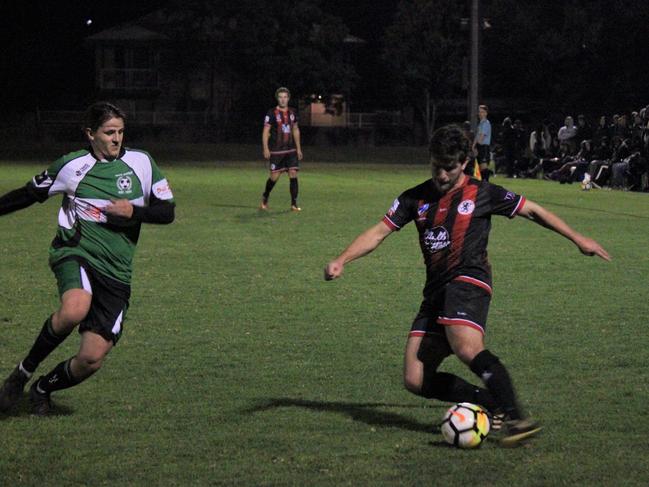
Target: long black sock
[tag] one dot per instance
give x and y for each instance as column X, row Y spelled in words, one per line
column 293, row 187
column 60, row 377
column 45, row 343
column 495, row 376
column 270, row 184
column 451, row 388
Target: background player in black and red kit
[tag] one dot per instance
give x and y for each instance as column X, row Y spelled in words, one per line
column 452, row 213
column 281, row 143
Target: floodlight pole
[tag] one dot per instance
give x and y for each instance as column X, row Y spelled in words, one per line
column 474, row 64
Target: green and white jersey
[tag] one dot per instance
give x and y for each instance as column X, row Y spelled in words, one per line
column 88, row 185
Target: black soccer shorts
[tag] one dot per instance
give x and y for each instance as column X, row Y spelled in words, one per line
column 463, row 302
column 284, row 162
column 110, row 298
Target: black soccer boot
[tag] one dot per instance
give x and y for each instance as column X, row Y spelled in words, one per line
column 12, row 389
column 517, row 431
column 40, row 402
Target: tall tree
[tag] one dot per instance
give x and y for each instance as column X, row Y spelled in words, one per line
column 264, row 44
column 424, row 51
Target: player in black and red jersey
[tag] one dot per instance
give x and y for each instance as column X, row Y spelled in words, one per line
column 281, row 143
column 452, row 213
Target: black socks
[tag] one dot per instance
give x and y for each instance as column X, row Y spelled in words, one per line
column 451, row 388
column 495, row 376
column 294, row 189
column 45, row 343
column 59, row 378
column 270, row 184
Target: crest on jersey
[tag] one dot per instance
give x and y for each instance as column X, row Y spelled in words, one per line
column 436, row 239
column 124, row 184
column 466, row 207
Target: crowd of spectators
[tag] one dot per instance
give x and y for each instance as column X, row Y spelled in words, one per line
column 612, row 153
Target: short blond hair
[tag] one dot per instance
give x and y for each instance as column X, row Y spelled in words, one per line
column 282, row 89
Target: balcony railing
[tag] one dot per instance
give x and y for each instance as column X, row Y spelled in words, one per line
column 128, row 79
column 167, row 118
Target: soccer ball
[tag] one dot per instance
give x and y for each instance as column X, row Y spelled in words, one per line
column 465, row 425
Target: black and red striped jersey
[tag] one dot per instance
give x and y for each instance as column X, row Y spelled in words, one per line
column 454, row 227
column 281, row 123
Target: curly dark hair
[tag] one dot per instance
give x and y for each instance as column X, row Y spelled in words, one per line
column 449, row 145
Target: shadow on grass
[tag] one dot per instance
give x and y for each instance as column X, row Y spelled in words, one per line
column 247, row 217
column 226, row 205
column 367, row 413
column 23, row 410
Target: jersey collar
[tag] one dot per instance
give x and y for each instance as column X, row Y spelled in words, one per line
column 122, row 151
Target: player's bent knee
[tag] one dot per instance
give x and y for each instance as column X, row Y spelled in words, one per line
column 412, row 381
column 90, row 362
column 467, row 352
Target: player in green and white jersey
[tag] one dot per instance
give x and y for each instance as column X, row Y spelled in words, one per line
column 108, row 192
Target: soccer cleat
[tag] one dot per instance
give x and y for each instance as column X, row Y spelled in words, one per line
column 263, row 205
column 496, row 420
column 519, row 430
column 12, row 389
column 40, row 401
column 295, row 208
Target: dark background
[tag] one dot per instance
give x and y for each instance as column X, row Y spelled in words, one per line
column 560, row 57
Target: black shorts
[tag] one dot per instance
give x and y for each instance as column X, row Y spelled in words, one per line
column 110, row 298
column 483, row 155
column 464, row 301
column 284, row 162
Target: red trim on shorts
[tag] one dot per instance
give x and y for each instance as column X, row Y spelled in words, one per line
column 460, row 322
column 475, row 282
column 417, row 333
column 389, row 223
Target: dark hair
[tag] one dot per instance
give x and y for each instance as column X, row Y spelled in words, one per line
column 99, row 113
column 449, row 145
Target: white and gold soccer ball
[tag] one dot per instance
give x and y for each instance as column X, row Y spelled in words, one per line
column 465, row 425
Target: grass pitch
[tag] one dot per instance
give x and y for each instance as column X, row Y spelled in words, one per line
column 239, row 365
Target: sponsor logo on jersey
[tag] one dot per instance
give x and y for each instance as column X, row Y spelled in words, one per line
column 436, row 239
column 394, row 207
column 162, row 190
column 82, row 169
column 510, row 196
column 266, row 119
column 286, row 128
column 292, row 117
column 466, row 207
column 124, row 184
column 422, row 210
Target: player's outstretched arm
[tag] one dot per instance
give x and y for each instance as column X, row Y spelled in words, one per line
column 17, row 200
column 546, row 218
column 365, row 243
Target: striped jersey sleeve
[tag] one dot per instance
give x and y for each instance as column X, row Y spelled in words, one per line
column 401, row 212
column 504, row 202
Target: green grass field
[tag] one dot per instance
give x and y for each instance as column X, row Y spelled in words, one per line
column 239, row 365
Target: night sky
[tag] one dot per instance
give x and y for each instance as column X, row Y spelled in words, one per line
column 46, row 65
column 44, row 42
